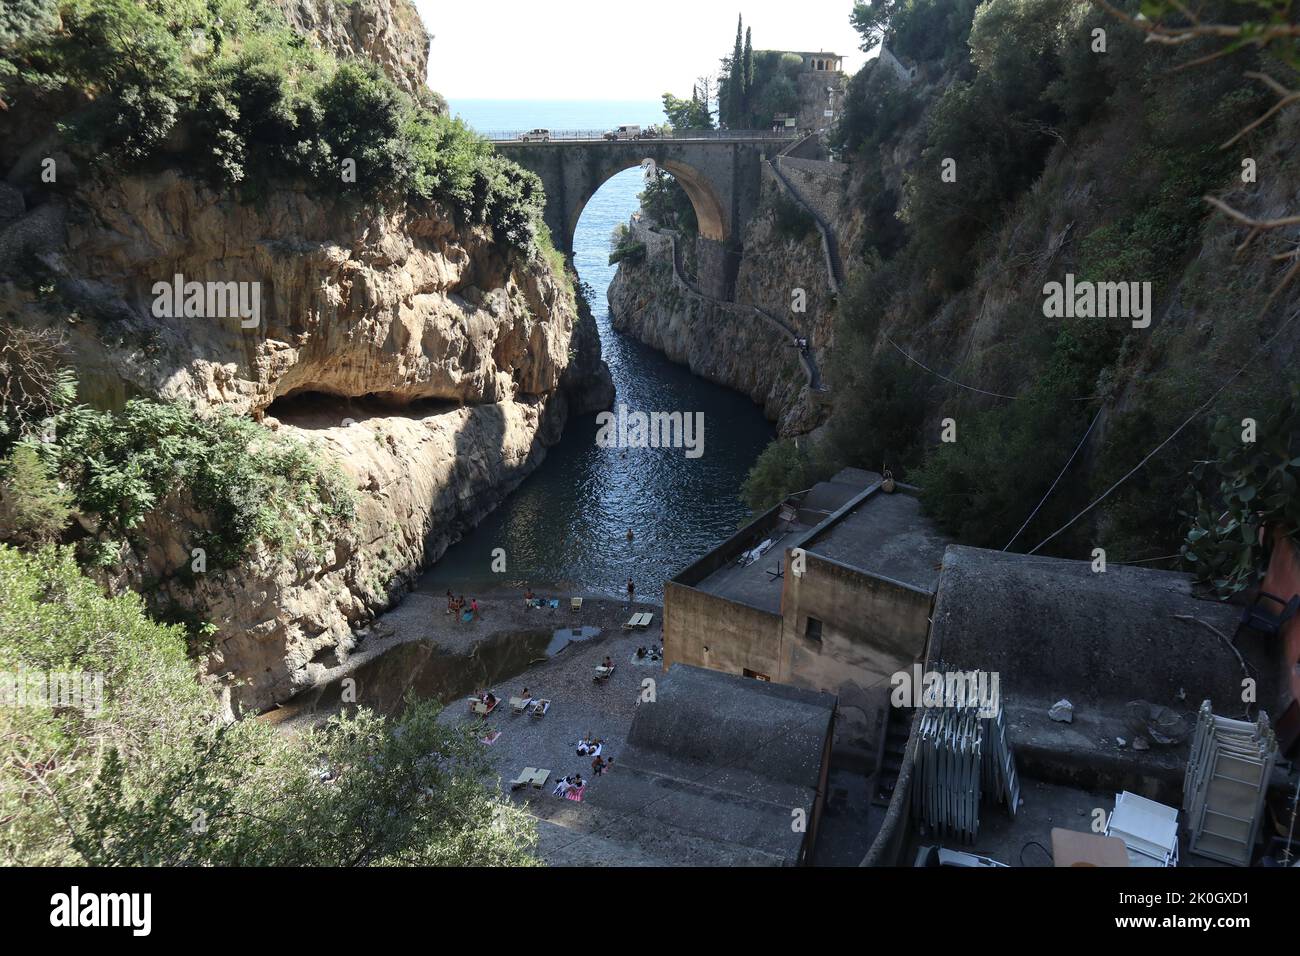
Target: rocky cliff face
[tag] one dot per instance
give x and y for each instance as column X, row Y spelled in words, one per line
column 727, row 342
column 386, row 31
column 428, row 362
column 432, row 364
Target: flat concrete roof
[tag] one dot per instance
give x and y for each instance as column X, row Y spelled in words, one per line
column 757, row 584
column 713, row 768
column 1107, row 641
column 885, row 535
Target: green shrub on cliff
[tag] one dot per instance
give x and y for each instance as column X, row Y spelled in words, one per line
column 132, row 765
column 232, row 92
column 245, row 483
column 781, row 469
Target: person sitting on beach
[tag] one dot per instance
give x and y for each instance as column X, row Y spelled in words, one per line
column 640, row 653
column 578, row 782
column 609, row 664
column 528, row 596
column 451, row 602
column 595, row 749
column 563, row 787
column 490, row 699
column 473, row 609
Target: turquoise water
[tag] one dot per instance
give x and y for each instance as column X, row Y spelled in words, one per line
column 565, row 528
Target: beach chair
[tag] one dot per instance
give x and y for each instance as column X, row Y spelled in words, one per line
column 575, row 604
column 518, row 704
column 539, row 778
column 632, row 622
column 644, row 621
column 603, row 674
column 524, row 779
column 477, row 706
column 540, row 707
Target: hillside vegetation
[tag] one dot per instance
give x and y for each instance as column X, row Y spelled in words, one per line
column 1072, row 147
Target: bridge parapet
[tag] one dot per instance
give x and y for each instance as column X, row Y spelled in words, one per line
column 516, row 136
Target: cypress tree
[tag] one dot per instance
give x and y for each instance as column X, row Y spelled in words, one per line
column 749, row 70
column 736, row 78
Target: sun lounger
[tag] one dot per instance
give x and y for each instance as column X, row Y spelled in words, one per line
column 645, row 620
column 477, row 706
column 524, row 779
column 540, row 707
column 632, row 622
column 603, row 674
column 539, row 778
column 575, row 604
column 518, row 704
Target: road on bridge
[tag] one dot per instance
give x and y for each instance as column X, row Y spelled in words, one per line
column 516, row 137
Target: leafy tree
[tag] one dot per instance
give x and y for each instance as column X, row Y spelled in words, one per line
column 1258, row 488
column 34, row 510
column 782, row 469
column 693, row 113
column 150, row 774
column 665, row 202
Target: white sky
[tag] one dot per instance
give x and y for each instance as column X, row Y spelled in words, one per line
column 612, row 49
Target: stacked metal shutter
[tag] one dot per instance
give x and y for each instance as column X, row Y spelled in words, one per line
column 1228, row 770
column 961, row 756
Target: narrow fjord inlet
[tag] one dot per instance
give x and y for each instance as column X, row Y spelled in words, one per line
column 574, row 434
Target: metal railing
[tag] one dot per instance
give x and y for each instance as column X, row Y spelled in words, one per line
column 598, row 135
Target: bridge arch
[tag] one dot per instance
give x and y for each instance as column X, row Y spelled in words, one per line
column 721, row 176
column 710, row 211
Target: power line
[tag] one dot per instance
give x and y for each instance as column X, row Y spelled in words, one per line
column 1151, row 454
column 950, row 381
column 1054, row 483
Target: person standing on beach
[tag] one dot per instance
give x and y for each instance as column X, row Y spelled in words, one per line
column 631, row 591
column 473, row 608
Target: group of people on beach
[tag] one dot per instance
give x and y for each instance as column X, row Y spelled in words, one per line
column 456, row 605
column 573, row 782
column 593, row 747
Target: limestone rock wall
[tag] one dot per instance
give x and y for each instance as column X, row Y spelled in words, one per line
column 452, row 355
column 388, row 32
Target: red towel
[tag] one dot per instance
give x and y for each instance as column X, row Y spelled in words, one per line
column 575, row 794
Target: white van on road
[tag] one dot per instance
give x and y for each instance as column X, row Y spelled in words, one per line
column 536, row 136
column 624, row 132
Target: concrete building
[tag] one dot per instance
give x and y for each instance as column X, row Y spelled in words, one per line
column 838, row 600
column 716, row 771
column 1110, row 643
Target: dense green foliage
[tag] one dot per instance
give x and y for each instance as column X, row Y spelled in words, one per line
column 143, row 772
column 790, row 219
column 665, row 202
column 249, row 484
column 226, row 87
column 692, row 113
column 782, row 469
column 1064, row 159
column 1257, row 487
column 245, row 484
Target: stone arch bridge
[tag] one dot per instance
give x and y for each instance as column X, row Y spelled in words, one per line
column 721, row 172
